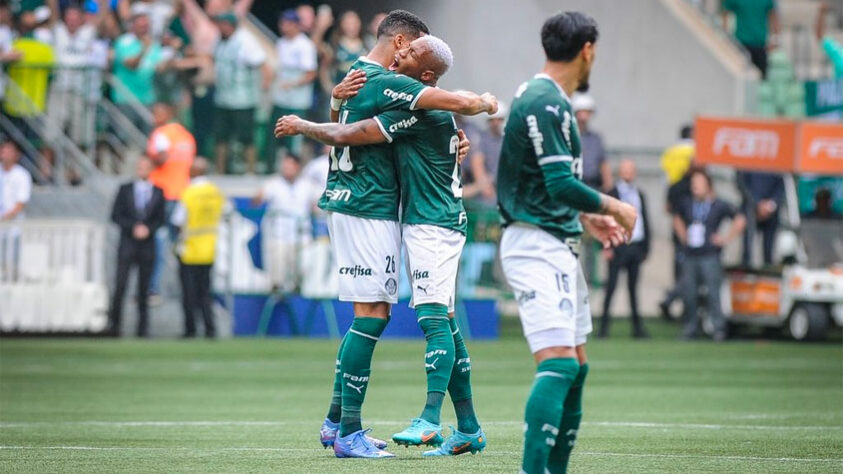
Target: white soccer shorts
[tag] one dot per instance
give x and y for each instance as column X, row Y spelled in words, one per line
column 549, row 286
column 366, row 252
column 433, row 259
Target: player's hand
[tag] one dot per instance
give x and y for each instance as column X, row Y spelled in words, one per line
column 350, row 85
column 491, row 103
column 624, row 214
column 604, row 228
column 287, row 126
column 717, row 240
column 465, row 145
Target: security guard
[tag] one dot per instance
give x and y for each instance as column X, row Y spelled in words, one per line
column 197, row 216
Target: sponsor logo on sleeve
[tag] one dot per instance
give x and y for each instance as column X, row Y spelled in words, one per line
column 398, row 95
column 566, row 128
column 406, row 123
column 535, row 135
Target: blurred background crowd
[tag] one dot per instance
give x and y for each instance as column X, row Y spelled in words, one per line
column 143, row 87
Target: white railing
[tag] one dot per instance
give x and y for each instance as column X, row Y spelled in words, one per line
column 52, row 276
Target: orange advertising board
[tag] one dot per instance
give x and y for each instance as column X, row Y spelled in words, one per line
column 820, row 148
column 749, row 144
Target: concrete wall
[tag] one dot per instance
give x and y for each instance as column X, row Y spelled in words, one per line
column 651, row 75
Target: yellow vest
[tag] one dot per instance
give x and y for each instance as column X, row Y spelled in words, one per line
column 203, row 203
column 676, row 160
column 31, row 74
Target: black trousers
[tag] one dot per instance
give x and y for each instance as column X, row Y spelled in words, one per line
column 758, row 56
column 629, row 258
column 196, row 297
column 129, row 254
column 768, row 230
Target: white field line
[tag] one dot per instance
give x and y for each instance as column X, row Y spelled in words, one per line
column 614, row 424
column 494, row 453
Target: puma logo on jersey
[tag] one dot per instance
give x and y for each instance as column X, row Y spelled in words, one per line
column 535, row 135
column 552, row 109
column 422, row 288
column 398, row 95
column 338, row 194
column 406, row 123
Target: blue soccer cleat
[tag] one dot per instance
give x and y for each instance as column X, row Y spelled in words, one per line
column 358, row 445
column 460, row 443
column 420, row 432
column 329, row 430
column 328, row 433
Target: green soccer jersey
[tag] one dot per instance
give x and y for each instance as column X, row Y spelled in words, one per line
column 541, row 136
column 426, row 145
column 362, row 180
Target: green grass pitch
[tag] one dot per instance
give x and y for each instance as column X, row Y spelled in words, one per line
column 249, row 405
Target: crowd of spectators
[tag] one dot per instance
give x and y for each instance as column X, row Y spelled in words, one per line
column 202, row 57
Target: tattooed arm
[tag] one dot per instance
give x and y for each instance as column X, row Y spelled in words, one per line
column 364, row 132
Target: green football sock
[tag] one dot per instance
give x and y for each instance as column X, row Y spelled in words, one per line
column 356, row 365
column 544, row 411
column 460, row 385
column 557, row 462
column 438, row 358
column 335, row 410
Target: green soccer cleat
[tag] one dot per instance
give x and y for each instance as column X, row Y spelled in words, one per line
column 420, row 432
column 460, row 443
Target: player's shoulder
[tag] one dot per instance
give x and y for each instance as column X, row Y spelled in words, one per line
column 371, row 68
column 540, row 93
column 437, row 118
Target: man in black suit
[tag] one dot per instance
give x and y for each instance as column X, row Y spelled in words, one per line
column 138, row 211
column 763, row 195
column 629, row 256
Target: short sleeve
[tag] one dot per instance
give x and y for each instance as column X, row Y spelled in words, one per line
column 179, row 215
column 23, row 186
column 400, row 92
column 122, row 48
column 158, row 143
column 251, row 52
column 397, row 123
column 308, row 58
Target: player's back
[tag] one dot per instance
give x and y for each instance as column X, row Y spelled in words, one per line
column 540, row 122
column 362, row 180
column 426, row 147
